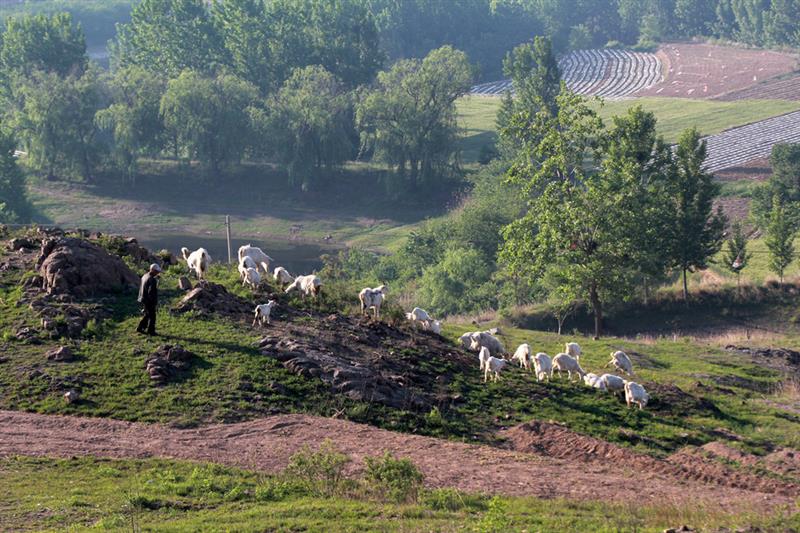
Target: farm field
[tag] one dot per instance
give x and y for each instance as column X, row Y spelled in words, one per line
column 708, row 71
column 781, row 88
column 609, row 74
column 674, row 115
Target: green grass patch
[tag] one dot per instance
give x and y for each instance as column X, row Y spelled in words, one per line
column 477, row 115
column 160, row 495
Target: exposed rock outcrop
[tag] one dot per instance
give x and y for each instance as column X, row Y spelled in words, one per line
column 79, row 268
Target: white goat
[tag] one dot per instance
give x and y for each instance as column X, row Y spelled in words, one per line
column 486, row 339
column 543, row 366
column 263, row 311
column 612, row 383
column 198, row 261
column 309, row 285
column 484, row 356
column 493, row 367
column 573, row 349
column 244, row 264
column 372, row 299
column 282, row 276
column 523, row 356
column 256, row 254
column 251, row 277
column 593, row 380
column 565, row 363
column 420, row 316
column 621, row 362
column 635, row 393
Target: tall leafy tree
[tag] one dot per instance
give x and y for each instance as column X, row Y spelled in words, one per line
column 584, row 227
column 43, row 43
column 247, row 34
column 311, row 123
column 14, row 205
column 780, row 239
column 56, row 122
column 168, row 36
column 783, row 184
column 736, row 254
column 210, row 117
column 697, row 229
column 133, row 118
column 409, row 117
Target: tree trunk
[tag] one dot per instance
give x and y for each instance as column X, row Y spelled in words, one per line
column 560, row 323
column 685, row 287
column 597, row 310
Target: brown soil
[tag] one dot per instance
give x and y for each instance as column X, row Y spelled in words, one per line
column 780, row 88
column 756, row 170
column 544, row 460
column 709, row 71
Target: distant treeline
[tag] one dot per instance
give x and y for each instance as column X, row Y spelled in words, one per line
column 487, row 29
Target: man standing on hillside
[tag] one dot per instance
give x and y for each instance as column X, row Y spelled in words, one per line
column 148, row 297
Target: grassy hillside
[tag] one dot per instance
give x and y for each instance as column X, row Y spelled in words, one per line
column 86, row 493
column 674, row 115
column 232, row 381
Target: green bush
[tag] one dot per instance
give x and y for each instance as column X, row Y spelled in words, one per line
column 321, row 471
column 496, row 518
column 396, row 480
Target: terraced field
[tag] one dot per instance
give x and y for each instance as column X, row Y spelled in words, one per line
column 780, row 88
column 611, row 74
column 740, row 145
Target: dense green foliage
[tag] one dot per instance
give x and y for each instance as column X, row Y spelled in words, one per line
column 14, row 205
column 409, row 118
column 736, row 256
column 780, row 238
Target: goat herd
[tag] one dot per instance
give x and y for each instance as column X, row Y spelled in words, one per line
column 488, row 347
column 252, row 261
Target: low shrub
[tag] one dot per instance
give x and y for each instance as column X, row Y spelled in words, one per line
column 320, row 471
column 396, row 480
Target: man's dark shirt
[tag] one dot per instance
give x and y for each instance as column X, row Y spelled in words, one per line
column 148, row 290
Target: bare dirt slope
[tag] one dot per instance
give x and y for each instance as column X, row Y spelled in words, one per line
column 709, row 71
column 597, row 471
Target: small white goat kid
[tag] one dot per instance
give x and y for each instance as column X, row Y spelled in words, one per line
column 263, row 311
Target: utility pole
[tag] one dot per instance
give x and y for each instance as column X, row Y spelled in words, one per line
column 228, row 235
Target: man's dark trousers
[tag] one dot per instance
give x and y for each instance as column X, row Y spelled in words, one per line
column 148, row 321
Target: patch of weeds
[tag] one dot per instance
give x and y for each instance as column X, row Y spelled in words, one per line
column 496, row 517
column 321, row 471
column 448, row 499
column 392, row 479
column 278, row 489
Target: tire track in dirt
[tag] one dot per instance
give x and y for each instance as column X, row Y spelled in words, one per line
column 266, row 445
column 689, row 464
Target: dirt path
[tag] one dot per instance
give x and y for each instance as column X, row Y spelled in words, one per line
column 266, row 445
